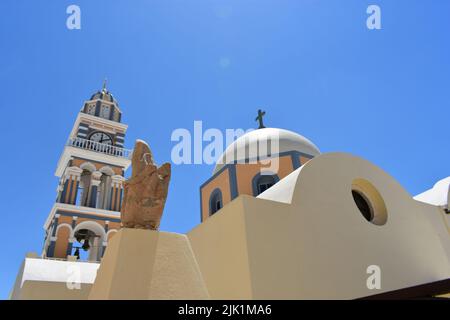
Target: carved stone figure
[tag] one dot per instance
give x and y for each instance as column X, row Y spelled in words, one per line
column 145, row 193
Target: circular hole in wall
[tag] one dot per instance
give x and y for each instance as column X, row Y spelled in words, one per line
column 369, row 202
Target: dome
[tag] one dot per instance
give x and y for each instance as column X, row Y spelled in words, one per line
column 288, row 141
column 103, row 95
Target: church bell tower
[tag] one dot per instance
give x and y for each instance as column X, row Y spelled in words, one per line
column 91, row 173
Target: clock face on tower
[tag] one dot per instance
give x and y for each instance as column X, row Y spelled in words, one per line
column 101, row 137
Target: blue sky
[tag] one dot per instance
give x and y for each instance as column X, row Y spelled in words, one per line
column 311, row 64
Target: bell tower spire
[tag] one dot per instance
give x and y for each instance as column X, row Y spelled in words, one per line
column 91, row 175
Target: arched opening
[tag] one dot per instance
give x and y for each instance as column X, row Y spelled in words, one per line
column 262, row 182
column 83, row 189
column 86, row 246
column 83, row 197
column 105, row 188
column 89, row 238
column 215, row 201
column 363, row 205
column 369, row 202
column 62, row 233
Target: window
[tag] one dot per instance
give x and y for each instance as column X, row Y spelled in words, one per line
column 215, row 201
column 262, row 182
column 362, row 205
column 105, row 111
column 91, row 109
column 369, row 202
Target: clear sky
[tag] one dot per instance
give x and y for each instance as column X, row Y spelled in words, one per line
column 311, row 64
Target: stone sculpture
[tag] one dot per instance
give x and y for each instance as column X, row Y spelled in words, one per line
column 145, row 193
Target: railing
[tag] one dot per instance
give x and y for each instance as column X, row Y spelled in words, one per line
column 99, row 147
column 65, row 259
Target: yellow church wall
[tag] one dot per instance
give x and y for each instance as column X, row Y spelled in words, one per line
column 318, row 245
column 223, row 259
column 222, row 181
column 68, row 194
column 146, row 264
column 62, row 241
column 64, row 219
column 304, row 160
column 49, row 290
column 114, row 225
column 246, row 172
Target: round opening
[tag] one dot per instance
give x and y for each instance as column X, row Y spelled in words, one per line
column 362, row 205
column 369, row 202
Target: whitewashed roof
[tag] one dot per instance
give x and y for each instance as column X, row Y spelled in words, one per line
column 438, row 195
column 38, row 269
column 283, row 190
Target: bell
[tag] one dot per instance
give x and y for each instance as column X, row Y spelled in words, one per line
column 86, row 245
column 77, row 253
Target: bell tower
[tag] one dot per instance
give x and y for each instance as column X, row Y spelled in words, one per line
column 91, row 172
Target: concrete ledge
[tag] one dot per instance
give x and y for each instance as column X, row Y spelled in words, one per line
column 144, row 264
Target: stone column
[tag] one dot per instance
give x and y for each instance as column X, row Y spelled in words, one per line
column 117, row 182
column 72, row 239
column 52, row 235
column 95, row 183
column 105, row 241
column 70, row 246
column 72, row 180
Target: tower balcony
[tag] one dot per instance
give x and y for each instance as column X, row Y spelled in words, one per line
column 99, row 147
column 93, row 151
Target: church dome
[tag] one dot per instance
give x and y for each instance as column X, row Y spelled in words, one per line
column 288, row 141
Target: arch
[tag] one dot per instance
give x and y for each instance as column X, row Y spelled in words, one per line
column 215, row 201
column 63, row 225
column 96, row 227
column 88, row 166
column 62, row 236
column 84, row 187
column 107, row 170
column 95, row 251
column 263, row 181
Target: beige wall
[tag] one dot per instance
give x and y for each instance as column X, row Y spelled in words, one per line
column 319, row 246
column 316, row 246
column 146, row 264
column 45, row 290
